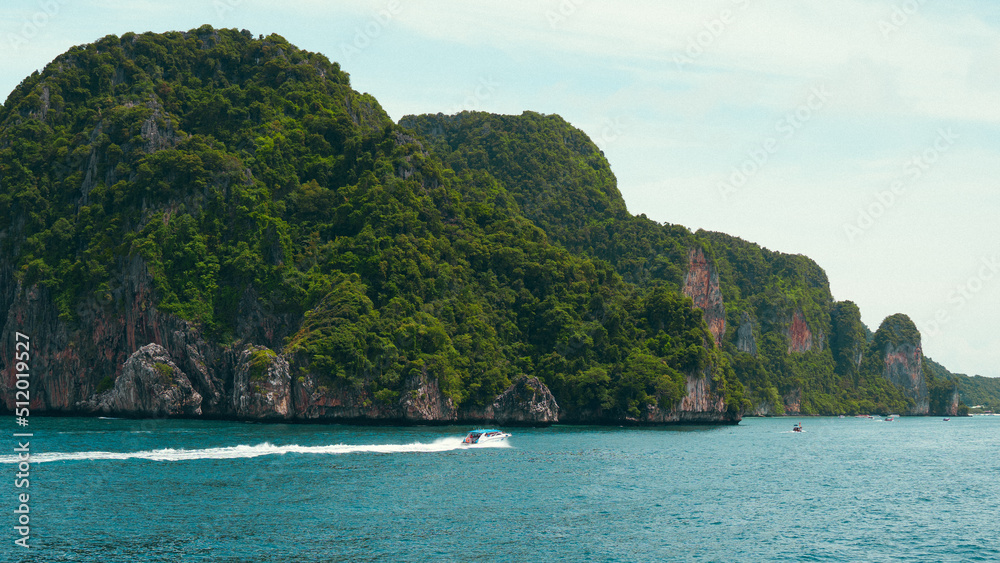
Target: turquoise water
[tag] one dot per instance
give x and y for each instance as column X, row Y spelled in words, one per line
column 918, row 489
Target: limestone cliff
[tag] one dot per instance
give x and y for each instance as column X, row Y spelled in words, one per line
column 150, row 385
column 152, row 364
column 896, row 349
column 422, row 399
column 746, row 341
column 69, row 359
column 793, row 401
column 800, row 338
column 701, row 404
column 527, row 402
column 701, row 284
column 261, row 385
column 902, row 368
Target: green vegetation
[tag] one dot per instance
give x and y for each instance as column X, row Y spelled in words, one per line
column 259, row 190
column 973, row 391
column 253, row 183
column 165, row 372
column 105, row 384
column 260, row 361
column 565, row 186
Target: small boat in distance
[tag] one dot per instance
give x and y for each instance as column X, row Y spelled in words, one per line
column 484, row 436
column 797, row 427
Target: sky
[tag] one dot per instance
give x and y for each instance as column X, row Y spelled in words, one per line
column 864, row 134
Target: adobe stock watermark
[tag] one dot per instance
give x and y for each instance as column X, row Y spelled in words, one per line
column 563, row 11
column 365, row 35
column 611, row 131
column 713, row 29
column 786, row 127
column 914, row 169
column 987, row 270
column 223, row 7
column 899, row 17
column 32, row 26
column 482, row 93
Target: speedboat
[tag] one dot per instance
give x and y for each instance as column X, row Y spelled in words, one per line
column 797, row 427
column 484, row 436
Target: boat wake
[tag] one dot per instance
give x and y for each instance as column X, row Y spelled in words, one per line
column 265, row 449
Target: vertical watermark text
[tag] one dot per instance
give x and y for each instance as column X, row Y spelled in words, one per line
column 22, row 475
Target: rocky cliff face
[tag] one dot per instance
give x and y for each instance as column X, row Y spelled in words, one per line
column 701, row 405
column 800, row 338
column 422, row 399
column 896, row 349
column 793, row 401
column 903, row 368
column 953, row 404
column 745, row 339
column 69, row 359
column 701, row 284
column 526, row 402
column 261, row 385
column 158, row 365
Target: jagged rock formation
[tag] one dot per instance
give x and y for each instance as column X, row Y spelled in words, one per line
column 111, row 328
column 261, row 385
column 902, row 368
column 526, row 401
column 793, row 401
column 896, row 349
column 699, row 405
column 150, row 385
column 701, row 284
column 422, row 399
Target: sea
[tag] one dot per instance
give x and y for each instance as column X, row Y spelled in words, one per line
column 844, row 489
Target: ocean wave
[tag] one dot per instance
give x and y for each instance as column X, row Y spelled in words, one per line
column 246, row 451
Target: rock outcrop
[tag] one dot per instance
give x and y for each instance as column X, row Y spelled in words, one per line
column 150, row 385
column 69, row 359
column 703, row 404
column 793, row 401
column 526, row 402
column 700, row 405
column 423, row 400
column 896, row 349
column 317, row 400
column 701, row 284
column 262, row 385
column 903, row 369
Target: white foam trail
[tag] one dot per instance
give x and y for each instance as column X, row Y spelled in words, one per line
column 244, row 451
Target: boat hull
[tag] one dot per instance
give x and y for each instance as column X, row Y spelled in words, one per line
column 479, row 437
